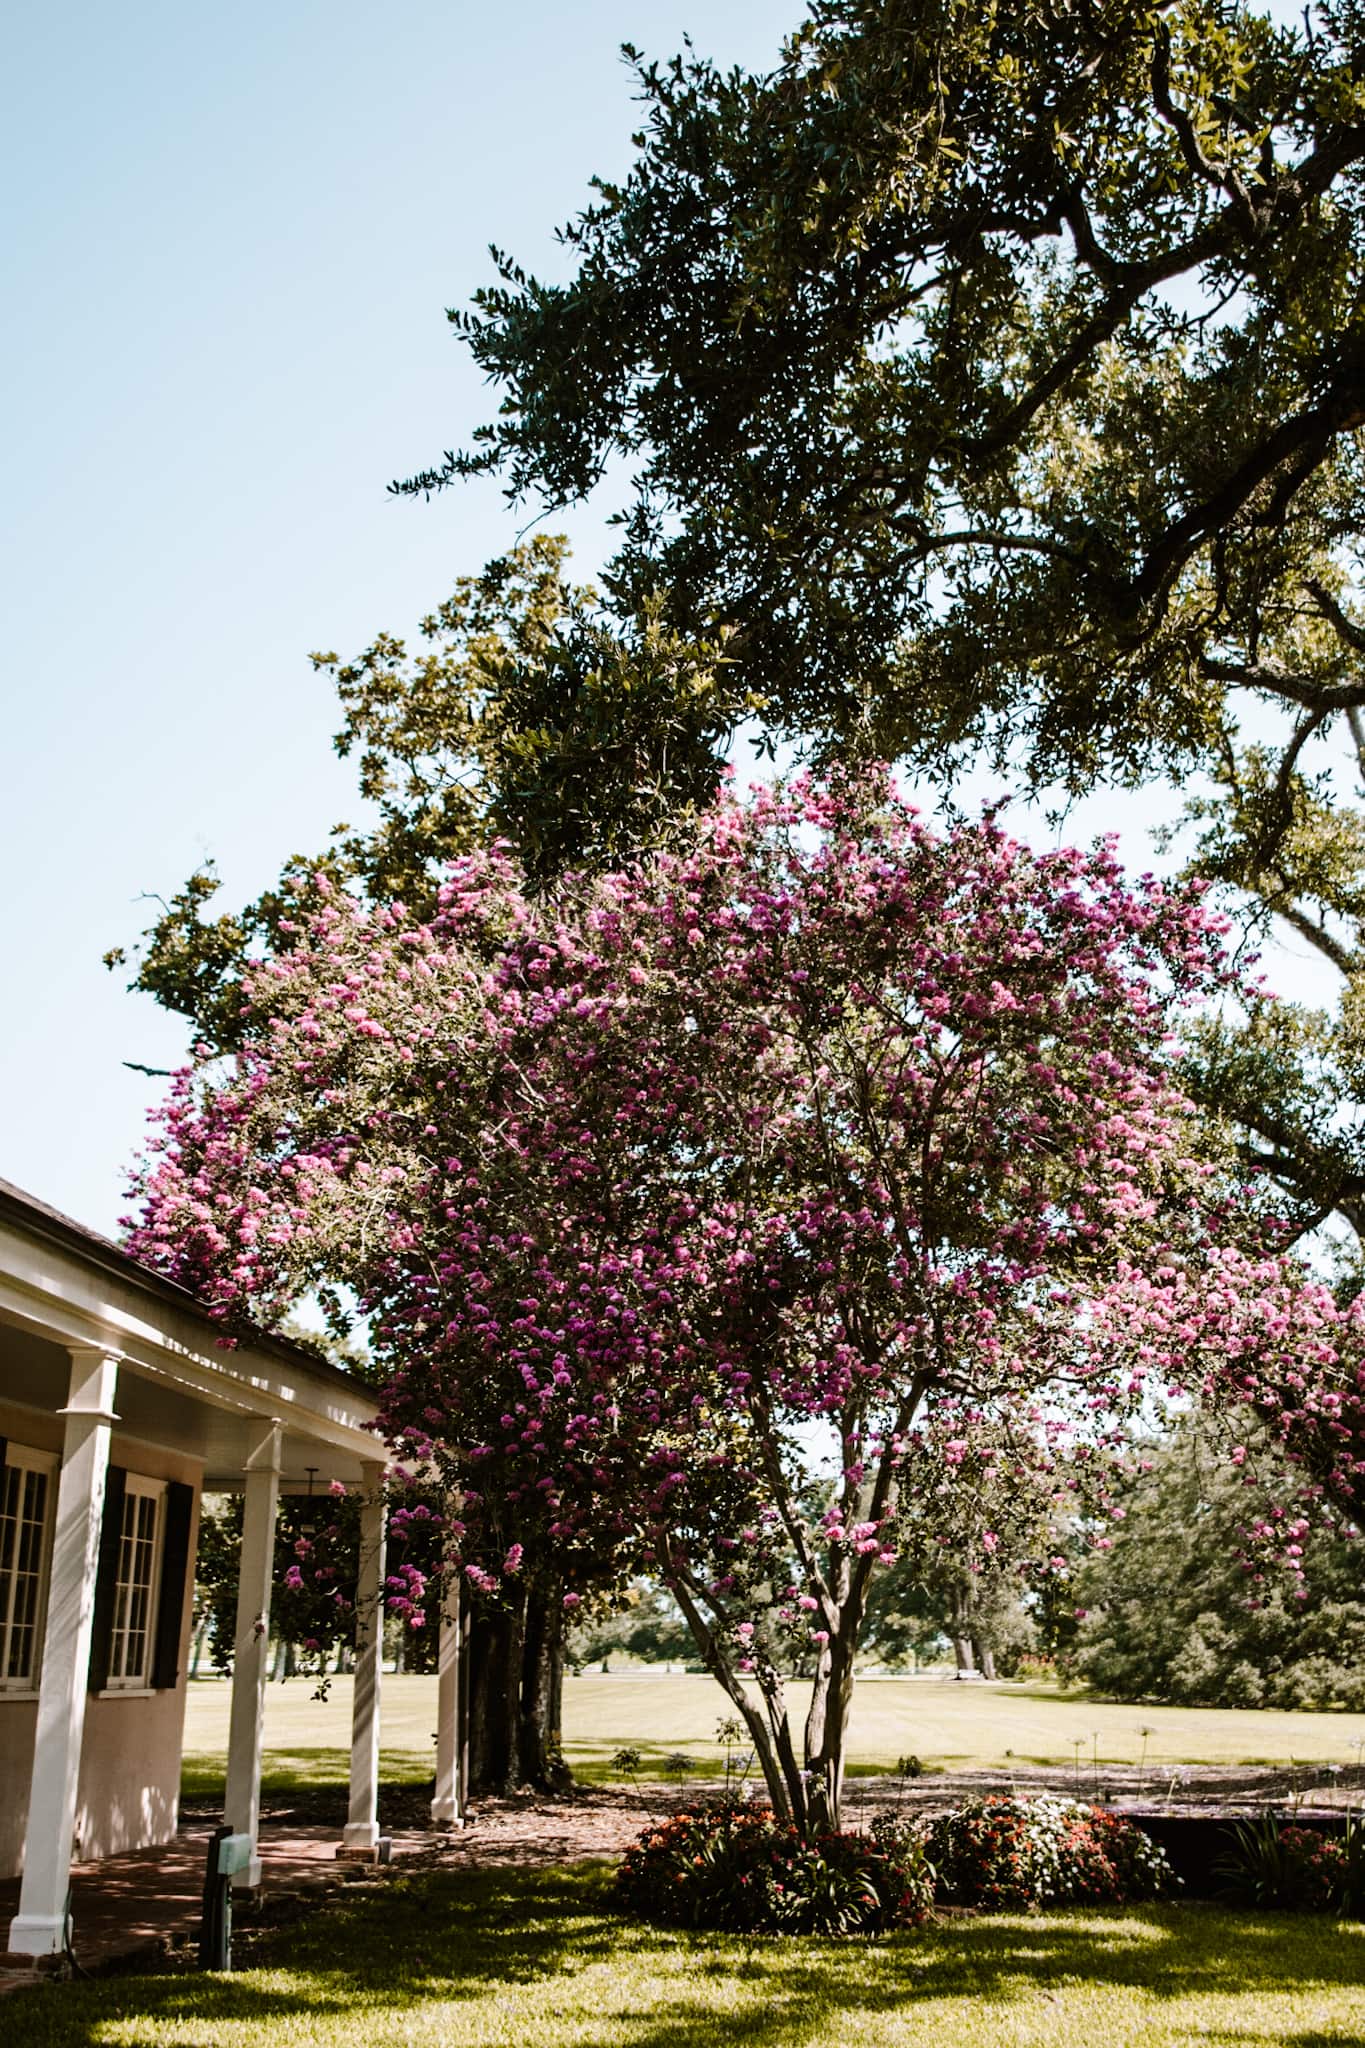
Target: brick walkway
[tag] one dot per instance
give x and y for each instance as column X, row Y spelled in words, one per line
column 150, row 1896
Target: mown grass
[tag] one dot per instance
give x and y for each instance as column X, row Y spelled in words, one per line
column 950, row 1727
column 467, row 1958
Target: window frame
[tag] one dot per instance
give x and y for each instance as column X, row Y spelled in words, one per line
column 25, row 1458
column 137, row 1487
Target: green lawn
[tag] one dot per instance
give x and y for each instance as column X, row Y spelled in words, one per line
column 948, row 1726
column 462, row 1959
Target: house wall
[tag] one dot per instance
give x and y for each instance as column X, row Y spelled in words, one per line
column 130, row 1756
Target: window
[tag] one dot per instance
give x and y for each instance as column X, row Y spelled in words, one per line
column 139, row 1562
column 27, row 1489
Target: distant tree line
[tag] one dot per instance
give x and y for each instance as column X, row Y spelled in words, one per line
column 1175, row 1610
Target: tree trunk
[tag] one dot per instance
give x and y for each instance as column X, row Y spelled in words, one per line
column 767, row 1725
column 831, row 1702
column 495, row 1645
column 985, row 1657
column 540, row 1755
column 962, row 1635
column 793, row 1777
column 515, row 1662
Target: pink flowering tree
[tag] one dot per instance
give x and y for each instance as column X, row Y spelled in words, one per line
column 820, row 1189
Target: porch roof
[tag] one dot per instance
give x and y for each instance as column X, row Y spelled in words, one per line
column 63, row 1284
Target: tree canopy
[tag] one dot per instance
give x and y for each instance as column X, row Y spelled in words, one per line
column 995, row 375
column 990, row 382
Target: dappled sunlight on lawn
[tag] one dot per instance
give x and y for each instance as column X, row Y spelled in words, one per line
column 472, row 1958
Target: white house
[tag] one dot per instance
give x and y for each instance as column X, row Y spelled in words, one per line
column 119, row 1409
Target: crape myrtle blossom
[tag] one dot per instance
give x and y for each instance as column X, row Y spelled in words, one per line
column 319, row 1547
column 821, row 1121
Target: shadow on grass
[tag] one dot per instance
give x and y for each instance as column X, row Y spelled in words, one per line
column 538, row 1956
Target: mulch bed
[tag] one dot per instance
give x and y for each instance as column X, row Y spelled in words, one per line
column 537, row 1829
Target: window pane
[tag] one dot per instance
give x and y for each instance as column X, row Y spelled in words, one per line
column 128, row 1659
column 9, row 1517
column 23, row 1516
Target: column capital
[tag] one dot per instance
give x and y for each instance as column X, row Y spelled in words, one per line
column 263, row 1453
column 94, row 1376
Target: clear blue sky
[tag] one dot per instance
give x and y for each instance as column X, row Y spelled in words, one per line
column 233, row 237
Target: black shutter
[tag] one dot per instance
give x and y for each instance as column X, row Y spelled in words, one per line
column 106, row 1577
column 175, row 1561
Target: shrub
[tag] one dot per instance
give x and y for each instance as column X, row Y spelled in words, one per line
column 1273, row 1863
column 999, row 1852
column 742, row 1870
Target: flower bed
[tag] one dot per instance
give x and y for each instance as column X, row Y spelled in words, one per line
column 998, row 1852
column 741, row 1869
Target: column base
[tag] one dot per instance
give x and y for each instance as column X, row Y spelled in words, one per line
column 445, row 1813
column 34, row 1935
column 248, row 1880
column 360, row 1834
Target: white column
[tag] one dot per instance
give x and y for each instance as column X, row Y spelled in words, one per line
column 362, row 1816
column 446, row 1809
column 242, row 1801
column 37, row 1929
